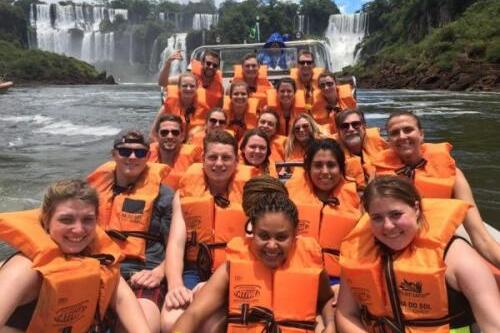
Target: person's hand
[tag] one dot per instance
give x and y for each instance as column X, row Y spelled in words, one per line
column 330, row 328
column 146, row 278
column 179, row 297
column 176, row 55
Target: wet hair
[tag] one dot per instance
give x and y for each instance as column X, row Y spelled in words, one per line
column 169, row 117
column 212, row 111
column 186, row 74
column 324, row 144
column 265, row 194
column 315, row 129
column 274, row 114
column 63, row 190
column 403, row 113
column 222, row 137
column 238, row 83
column 248, row 56
column 394, row 187
column 211, row 53
column 342, row 116
column 288, row 80
column 260, row 133
column 327, row 74
column 305, row 52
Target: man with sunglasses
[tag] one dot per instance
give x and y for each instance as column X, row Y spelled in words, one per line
column 170, row 149
column 135, row 209
column 306, row 74
column 360, row 144
column 206, row 72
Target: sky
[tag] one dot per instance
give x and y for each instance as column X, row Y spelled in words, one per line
column 350, row 6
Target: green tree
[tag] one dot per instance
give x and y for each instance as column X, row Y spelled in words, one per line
column 317, row 13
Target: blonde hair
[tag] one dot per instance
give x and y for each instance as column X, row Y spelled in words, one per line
column 317, row 133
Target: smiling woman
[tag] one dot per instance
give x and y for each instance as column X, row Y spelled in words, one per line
column 60, row 245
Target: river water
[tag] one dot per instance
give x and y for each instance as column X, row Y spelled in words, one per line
column 53, row 132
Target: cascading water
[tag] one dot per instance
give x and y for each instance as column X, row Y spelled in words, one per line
column 175, row 42
column 344, row 33
column 62, row 33
column 204, row 21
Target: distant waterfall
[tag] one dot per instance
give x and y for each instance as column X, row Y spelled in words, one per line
column 344, row 32
column 73, row 30
column 204, row 21
column 175, row 42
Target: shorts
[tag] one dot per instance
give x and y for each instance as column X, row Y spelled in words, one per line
column 190, row 277
column 334, row 280
column 155, row 295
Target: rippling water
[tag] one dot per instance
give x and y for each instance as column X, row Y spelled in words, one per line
column 52, row 132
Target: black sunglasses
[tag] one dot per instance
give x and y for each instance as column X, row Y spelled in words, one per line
column 166, row 132
column 305, row 62
column 355, row 124
column 211, row 64
column 127, row 152
column 216, row 122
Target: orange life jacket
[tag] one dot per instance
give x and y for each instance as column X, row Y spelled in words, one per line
column 418, row 270
column 172, row 105
column 215, row 90
column 435, row 179
column 320, row 113
column 277, row 148
column 188, row 155
column 308, row 93
column 130, row 211
column 263, row 83
column 298, row 108
column 327, row 223
column 277, row 294
column 250, row 118
column 208, row 226
column 75, row 289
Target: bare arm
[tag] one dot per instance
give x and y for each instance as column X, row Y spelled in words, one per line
column 208, row 300
column 477, row 284
column 20, row 282
column 128, row 309
column 163, row 79
column 178, row 295
column 325, row 303
column 473, row 224
column 347, row 316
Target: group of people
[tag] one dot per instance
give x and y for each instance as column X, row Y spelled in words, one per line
column 189, row 228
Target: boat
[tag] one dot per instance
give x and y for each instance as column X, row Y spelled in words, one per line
column 5, row 85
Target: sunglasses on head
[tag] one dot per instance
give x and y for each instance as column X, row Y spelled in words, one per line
column 127, row 152
column 355, row 124
column 211, row 64
column 305, row 62
column 166, row 132
column 304, row 127
column 328, row 84
column 216, row 122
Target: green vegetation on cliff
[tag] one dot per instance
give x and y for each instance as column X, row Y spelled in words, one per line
column 431, row 44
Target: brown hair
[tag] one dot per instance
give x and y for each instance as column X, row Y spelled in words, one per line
column 210, row 52
column 288, row 80
column 212, row 111
column 305, row 52
column 186, row 74
column 238, row 83
column 403, row 113
column 342, row 116
column 327, row 74
column 169, row 117
column 260, row 133
column 274, row 114
column 222, row 137
column 63, row 190
column 248, row 56
column 290, row 141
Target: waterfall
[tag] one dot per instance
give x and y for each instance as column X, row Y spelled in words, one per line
column 204, row 21
column 344, row 32
column 175, row 42
column 300, row 23
column 59, row 33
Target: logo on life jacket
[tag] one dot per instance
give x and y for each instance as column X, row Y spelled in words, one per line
column 414, row 287
column 246, row 292
column 71, row 313
column 303, row 227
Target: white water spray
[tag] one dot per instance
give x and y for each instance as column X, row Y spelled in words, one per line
column 204, row 21
column 344, row 33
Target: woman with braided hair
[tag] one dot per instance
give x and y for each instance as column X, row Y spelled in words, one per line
column 261, row 280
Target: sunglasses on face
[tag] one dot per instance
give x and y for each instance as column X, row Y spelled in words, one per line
column 166, row 132
column 328, row 84
column 127, row 152
column 216, row 122
column 355, row 124
column 211, row 64
column 305, row 62
column 304, row 127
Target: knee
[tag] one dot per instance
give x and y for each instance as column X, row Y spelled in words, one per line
column 168, row 319
column 152, row 314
